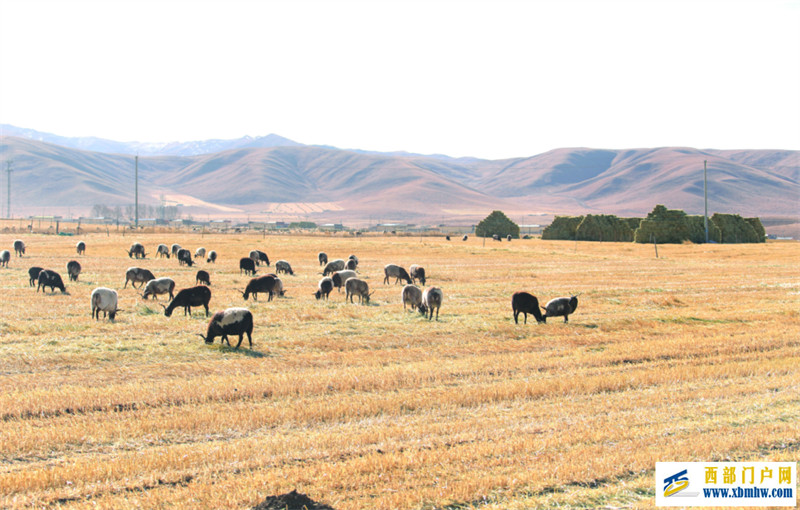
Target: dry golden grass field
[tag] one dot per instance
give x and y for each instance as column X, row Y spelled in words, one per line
column 694, row 356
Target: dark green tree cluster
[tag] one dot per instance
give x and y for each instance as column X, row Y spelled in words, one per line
column 308, row 225
column 562, row 228
column 603, row 227
column 497, row 223
column 736, row 229
column 664, row 225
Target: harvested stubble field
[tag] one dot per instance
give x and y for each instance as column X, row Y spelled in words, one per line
column 691, row 356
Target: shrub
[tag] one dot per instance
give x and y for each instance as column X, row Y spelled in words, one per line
column 562, row 227
column 603, row 227
column 497, row 223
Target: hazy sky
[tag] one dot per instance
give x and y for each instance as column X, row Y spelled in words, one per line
column 492, row 79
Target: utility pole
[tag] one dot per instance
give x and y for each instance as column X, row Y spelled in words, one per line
column 136, row 212
column 705, row 196
column 8, row 198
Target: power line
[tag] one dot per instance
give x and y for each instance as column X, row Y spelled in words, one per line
column 8, row 196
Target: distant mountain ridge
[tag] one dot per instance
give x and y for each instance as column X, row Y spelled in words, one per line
column 193, row 148
column 328, row 183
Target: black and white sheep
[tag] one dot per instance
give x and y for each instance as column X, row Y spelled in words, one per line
column 324, row 287
column 258, row 257
column 81, row 248
column 137, row 275
column 351, row 264
column 200, row 253
column 162, row 250
column 560, row 307
column 104, row 300
column 136, row 251
column 34, row 274
column 417, row 273
column 333, row 266
column 357, row 287
column 185, row 257
column 525, row 303
column 282, row 266
column 212, row 257
column 73, row 270
column 19, row 247
column 465, row 237
column 233, row 321
column 399, row 273
column 187, row 298
column 432, row 298
column 157, row 286
column 247, row 265
column 49, row 278
column 340, row 277
column 5, row 256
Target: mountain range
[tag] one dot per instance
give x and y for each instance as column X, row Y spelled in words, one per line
column 282, row 179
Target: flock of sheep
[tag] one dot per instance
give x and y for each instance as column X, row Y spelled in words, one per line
column 238, row 321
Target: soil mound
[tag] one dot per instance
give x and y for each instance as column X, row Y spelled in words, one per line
column 291, row 501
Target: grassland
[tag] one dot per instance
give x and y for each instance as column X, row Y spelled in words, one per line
column 691, row 356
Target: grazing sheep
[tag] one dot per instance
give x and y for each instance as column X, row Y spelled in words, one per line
column 412, row 295
column 350, row 264
column 158, row 286
column 333, row 266
column 447, row 238
column 162, row 250
column 258, row 257
column 324, row 287
column 73, row 270
column 417, row 273
column 357, row 287
column 49, row 278
column 263, row 284
column 399, row 273
column 200, row 253
column 5, row 256
column 233, row 321
column 508, row 238
column 187, row 298
column 203, row 277
column 136, row 251
column 81, row 248
column 465, row 237
column 175, row 248
column 279, row 291
column 323, row 258
column 19, row 247
column 432, row 298
column 104, row 300
column 524, row 303
column 340, row 277
column 212, row 257
column 247, row 265
column 185, row 257
column 137, row 274
column 282, row 266
column 34, row 274
column 495, row 237
column 558, row 307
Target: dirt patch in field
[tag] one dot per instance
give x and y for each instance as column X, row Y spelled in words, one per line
column 291, row 501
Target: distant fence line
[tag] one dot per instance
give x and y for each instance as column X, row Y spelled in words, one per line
column 62, row 226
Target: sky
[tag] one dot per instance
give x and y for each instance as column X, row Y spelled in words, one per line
column 490, row 79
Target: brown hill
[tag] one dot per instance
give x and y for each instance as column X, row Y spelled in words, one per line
column 327, row 184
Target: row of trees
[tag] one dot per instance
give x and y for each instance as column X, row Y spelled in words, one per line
column 662, row 225
column 126, row 213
